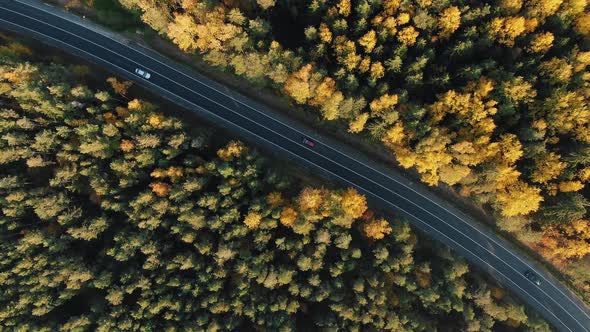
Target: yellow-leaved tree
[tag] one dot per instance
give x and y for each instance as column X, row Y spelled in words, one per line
column 511, row 6
column 298, row 85
column 325, row 33
column 344, row 7
column 353, row 203
column 376, row 229
column 383, row 103
column 567, row 242
column 266, row 4
column 183, row 31
column 368, row 41
column 449, row 21
column 310, row 199
column 252, row 220
column 358, row 124
column 541, row 42
column 288, row 216
column 231, row 150
column 519, row 199
column 548, row 166
column 408, row 36
column 161, row 189
column 120, row 87
column 582, row 24
column 323, row 91
column 506, row 29
column 543, row 8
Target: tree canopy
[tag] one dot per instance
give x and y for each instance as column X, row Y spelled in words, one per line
column 490, row 97
column 116, row 217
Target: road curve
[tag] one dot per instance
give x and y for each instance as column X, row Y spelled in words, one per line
column 383, row 186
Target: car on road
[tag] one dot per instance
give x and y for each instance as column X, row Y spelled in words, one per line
column 308, row 142
column 532, row 277
column 142, row 73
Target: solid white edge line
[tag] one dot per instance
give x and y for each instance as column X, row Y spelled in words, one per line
column 297, row 156
column 352, row 159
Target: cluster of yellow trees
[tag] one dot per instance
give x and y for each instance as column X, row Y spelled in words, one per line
column 491, row 97
column 115, row 217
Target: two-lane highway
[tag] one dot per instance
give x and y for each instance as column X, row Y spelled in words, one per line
column 383, row 186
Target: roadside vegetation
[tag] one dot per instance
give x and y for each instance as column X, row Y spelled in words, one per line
column 106, row 12
column 115, row 217
column 490, row 98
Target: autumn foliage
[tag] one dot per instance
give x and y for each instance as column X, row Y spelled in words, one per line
column 131, row 222
column 489, row 97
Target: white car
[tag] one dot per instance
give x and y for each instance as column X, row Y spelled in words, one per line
column 142, row 73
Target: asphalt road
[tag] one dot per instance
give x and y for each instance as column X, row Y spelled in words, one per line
column 384, row 187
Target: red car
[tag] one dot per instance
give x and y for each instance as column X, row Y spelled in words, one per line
column 308, row 142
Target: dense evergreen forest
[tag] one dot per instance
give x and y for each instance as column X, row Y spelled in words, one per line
column 489, row 97
column 115, row 217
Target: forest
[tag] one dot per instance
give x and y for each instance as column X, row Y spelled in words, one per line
column 116, row 217
column 489, row 98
